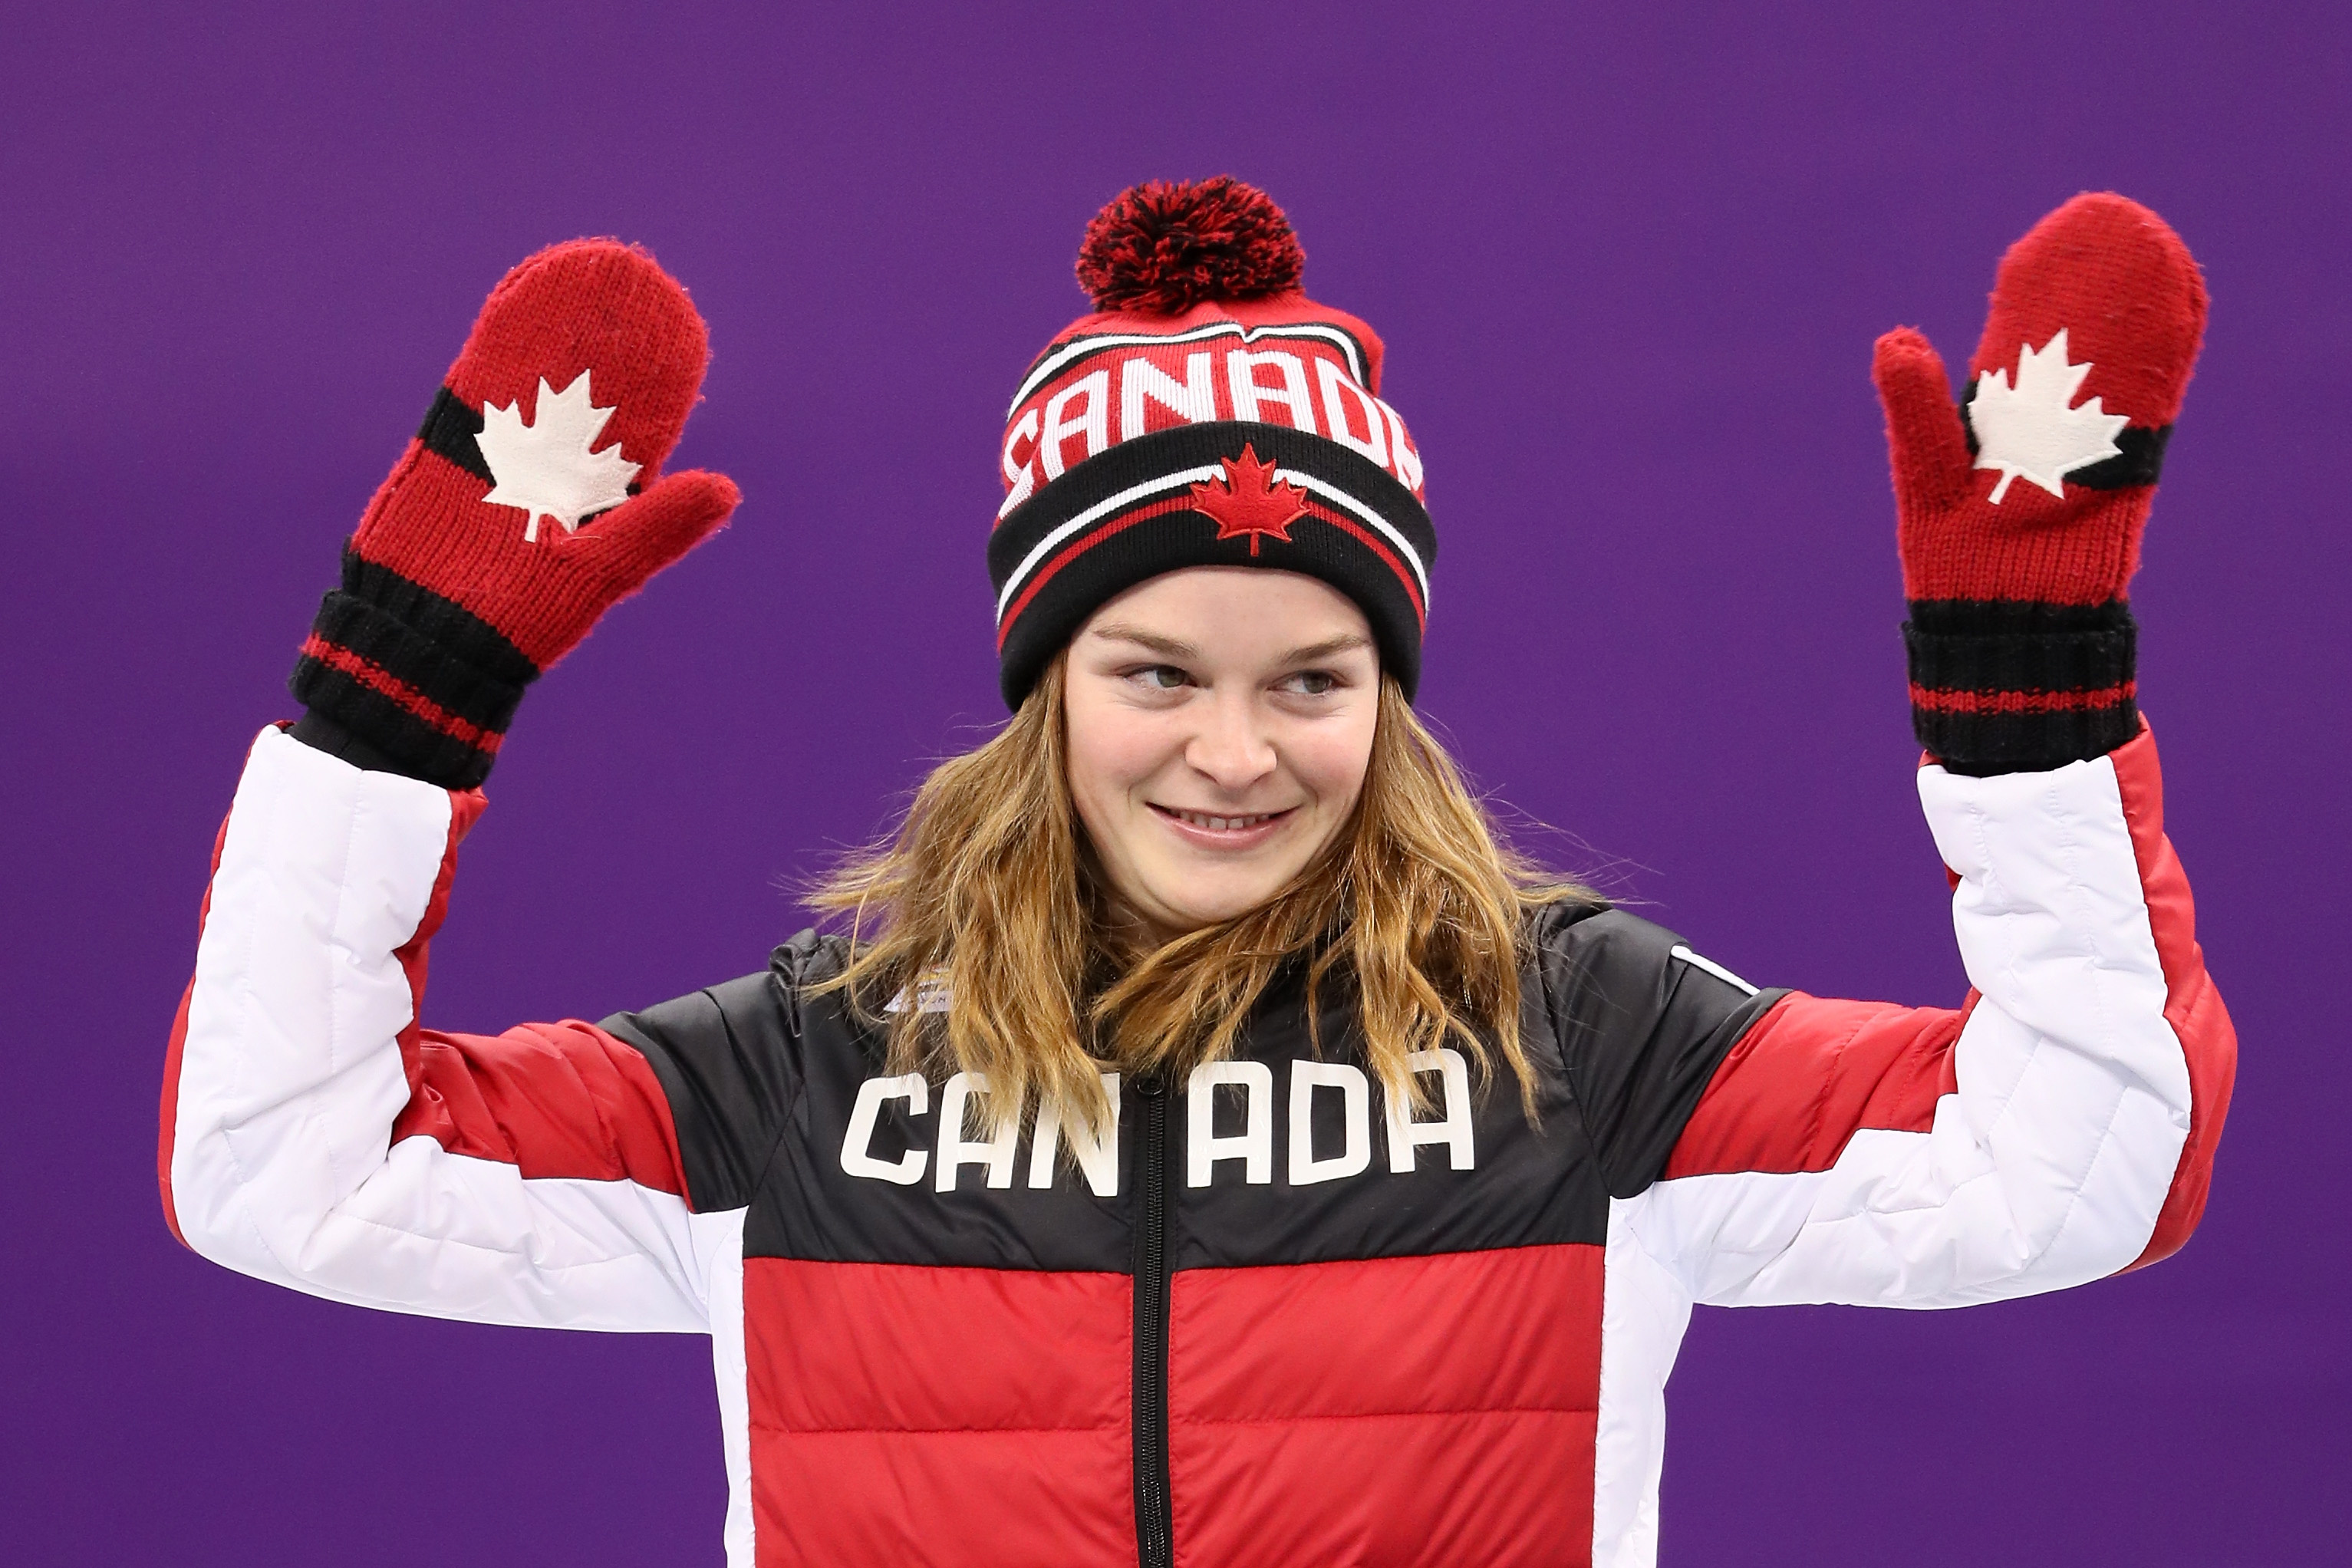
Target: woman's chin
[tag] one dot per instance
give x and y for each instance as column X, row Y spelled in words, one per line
column 1181, row 910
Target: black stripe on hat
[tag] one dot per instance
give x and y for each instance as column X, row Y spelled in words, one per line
column 1129, row 464
column 1124, row 515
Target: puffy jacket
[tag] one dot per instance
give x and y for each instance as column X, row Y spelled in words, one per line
column 1271, row 1317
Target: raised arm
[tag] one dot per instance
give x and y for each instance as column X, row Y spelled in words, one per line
column 2060, row 1125
column 313, row 1133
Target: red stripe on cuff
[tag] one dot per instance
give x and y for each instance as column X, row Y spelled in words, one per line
column 376, row 678
column 1936, row 701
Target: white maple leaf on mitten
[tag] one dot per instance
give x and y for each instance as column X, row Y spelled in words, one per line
column 2028, row 430
column 546, row 466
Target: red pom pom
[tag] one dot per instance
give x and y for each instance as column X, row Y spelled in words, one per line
column 1162, row 246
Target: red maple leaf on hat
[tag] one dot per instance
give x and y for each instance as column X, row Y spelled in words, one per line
column 1249, row 500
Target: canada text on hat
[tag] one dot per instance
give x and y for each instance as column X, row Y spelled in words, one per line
column 1208, row 413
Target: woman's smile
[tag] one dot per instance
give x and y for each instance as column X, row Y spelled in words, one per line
column 1219, row 722
column 1223, row 833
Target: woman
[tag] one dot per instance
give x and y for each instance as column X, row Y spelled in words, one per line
column 1206, row 1141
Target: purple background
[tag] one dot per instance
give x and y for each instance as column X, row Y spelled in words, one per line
column 1629, row 270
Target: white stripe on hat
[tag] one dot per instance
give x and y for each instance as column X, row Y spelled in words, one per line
column 1187, row 478
column 1077, row 524
column 1334, row 493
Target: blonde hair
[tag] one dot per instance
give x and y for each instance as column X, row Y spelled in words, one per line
column 986, row 892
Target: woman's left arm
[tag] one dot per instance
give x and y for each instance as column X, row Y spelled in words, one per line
column 2059, row 1126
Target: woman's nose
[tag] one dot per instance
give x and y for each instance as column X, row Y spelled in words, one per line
column 1231, row 747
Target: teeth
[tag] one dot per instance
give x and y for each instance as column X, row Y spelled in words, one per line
column 1223, row 823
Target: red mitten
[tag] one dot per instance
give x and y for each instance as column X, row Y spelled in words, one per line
column 2022, row 511
column 529, row 504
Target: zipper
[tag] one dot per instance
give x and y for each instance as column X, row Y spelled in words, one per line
column 1154, row 1527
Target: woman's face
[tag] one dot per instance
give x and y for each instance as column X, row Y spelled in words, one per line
column 1219, row 722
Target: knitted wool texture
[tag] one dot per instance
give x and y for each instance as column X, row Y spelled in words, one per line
column 1206, row 412
column 446, row 609
column 2022, row 643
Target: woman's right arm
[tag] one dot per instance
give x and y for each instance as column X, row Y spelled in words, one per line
column 312, row 1133
column 315, row 1136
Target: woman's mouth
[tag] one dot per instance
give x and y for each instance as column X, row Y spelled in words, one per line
column 1224, row 830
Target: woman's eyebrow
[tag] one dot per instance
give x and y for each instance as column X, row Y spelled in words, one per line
column 1345, row 642
column 1170, row 647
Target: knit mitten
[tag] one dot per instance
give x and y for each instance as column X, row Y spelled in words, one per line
column 527, row 505
column 2021, row 511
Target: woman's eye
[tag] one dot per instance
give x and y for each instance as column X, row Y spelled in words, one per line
column 1161, row 676
column 1313, row 682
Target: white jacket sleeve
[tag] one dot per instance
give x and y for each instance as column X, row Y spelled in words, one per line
column 2058, row 1129
column 299, row 1142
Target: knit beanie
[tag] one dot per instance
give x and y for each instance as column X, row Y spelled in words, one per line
column 1206, row 414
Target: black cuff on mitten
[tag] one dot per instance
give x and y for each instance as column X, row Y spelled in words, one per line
column 1998, row 687
column 400, row 679
column 321, row 734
